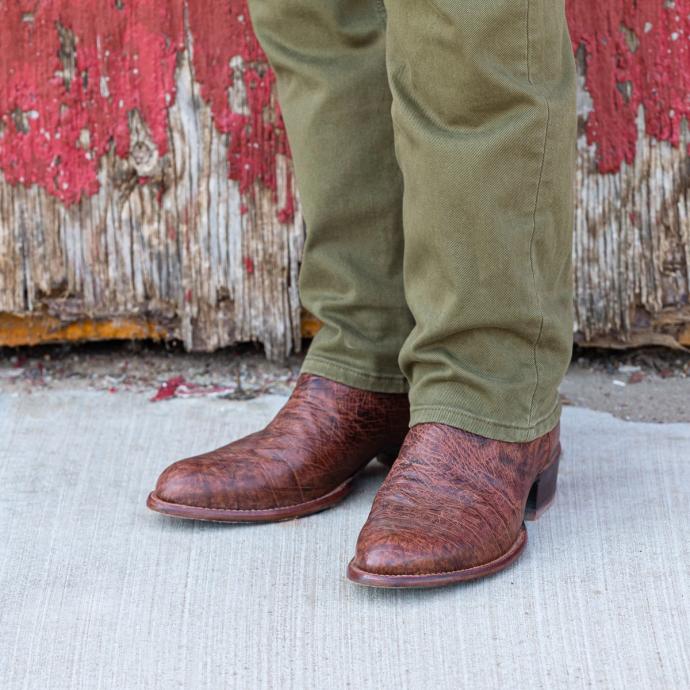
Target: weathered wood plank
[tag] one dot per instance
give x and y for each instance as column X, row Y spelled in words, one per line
column 632, row 231
column 145, row 173
column 182, row 210
column 41, row 329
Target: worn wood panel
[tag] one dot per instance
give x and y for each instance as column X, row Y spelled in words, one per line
column 146, row 172
column 40, row 329
column 632, row 229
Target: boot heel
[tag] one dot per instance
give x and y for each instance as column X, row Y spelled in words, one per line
column 543, row 491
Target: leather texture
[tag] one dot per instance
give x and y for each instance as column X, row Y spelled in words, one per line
column 324, row 434
column 453, row 502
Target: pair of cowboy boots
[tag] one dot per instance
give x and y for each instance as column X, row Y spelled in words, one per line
column 452, row 507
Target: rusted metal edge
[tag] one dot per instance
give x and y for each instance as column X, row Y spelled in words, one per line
column 39, row 329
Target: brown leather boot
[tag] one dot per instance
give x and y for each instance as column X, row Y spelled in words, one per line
column 452, row 508
column 302, row 462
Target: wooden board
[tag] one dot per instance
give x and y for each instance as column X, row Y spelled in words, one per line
column 37, row 329
column 632, row 225
column 146, row 188
column 145, row 173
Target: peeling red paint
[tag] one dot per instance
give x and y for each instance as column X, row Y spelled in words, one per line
column 637, row 54
column 168, row 389
column 179, row 387
column 73, row 71
column 248, row 264
column 224, row 32
column 71, row 74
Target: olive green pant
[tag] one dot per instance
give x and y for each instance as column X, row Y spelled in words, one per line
column 434, row 152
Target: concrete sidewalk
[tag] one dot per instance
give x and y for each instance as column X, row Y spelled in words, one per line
column 98, row 592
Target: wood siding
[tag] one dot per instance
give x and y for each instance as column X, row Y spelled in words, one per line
column 146, row 188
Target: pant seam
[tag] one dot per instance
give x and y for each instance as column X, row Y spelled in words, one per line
column 353, row 370
column 527, row 56
column 464, row 413
column 381, row 11
column 531, row 261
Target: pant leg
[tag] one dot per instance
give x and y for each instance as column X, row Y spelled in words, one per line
column 485, row 128
column 329, row 59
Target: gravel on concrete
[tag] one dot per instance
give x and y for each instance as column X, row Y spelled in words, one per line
column 648, row 384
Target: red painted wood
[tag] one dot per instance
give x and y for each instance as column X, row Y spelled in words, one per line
column 637, row 54
column 125, row 59
column 56, row 127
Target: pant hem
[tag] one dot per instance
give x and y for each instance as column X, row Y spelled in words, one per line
column 350, row 376
column 489, row 428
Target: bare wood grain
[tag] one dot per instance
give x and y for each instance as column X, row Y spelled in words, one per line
column 168, row 239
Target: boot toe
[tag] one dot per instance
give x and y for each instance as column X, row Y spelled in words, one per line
column 183, row 483
column 410, row 554
column 237, row 484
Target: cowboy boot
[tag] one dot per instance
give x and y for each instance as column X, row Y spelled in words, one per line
column 302, row 462
column 452, row 507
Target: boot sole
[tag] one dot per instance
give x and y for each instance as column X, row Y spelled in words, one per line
column 363, row 577
column 186, row 512
column 541, row 497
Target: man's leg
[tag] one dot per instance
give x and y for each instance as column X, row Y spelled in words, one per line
column 329, row 58
column 484, row 118
column 349, row 403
